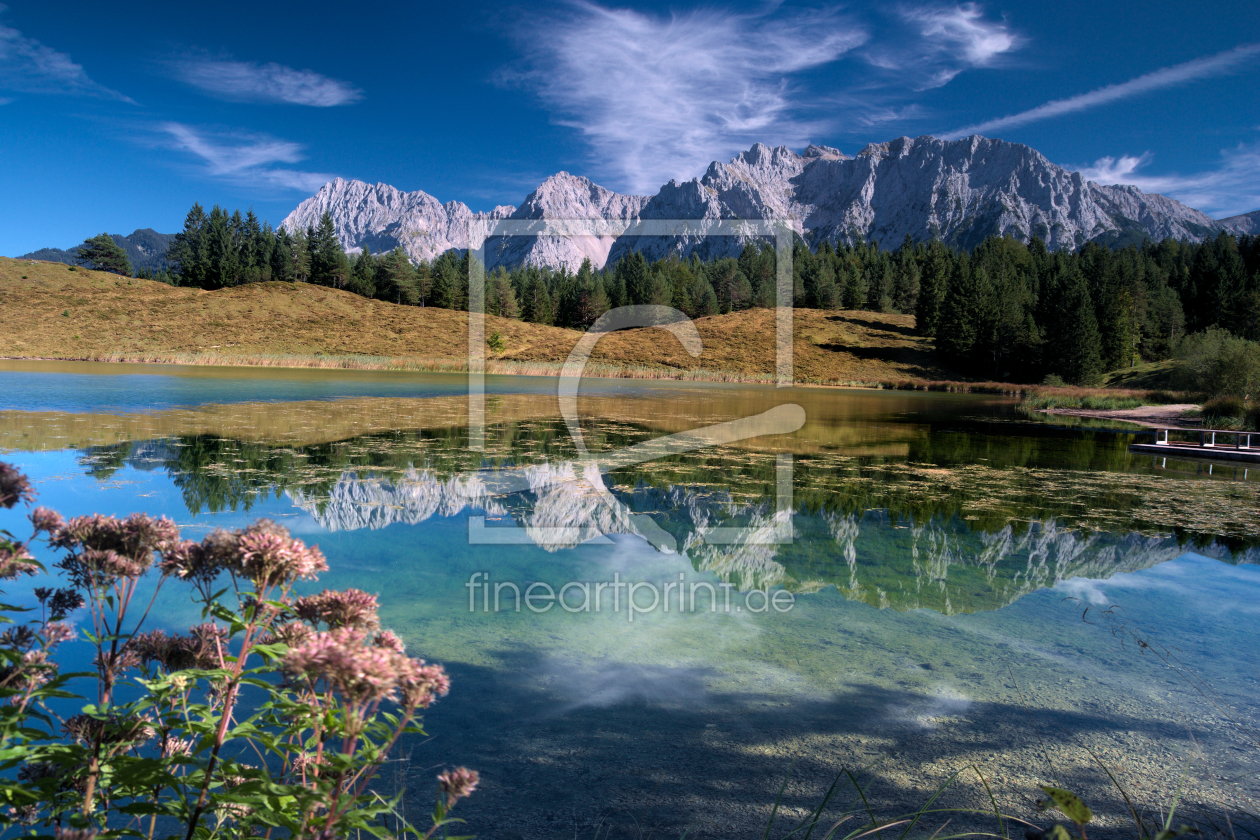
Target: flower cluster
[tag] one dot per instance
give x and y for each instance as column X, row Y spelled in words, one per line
column 366, row 673
column 15, row 560
column 351, row 608
column 107, row 548
column 338, row 662
column 14, row 487
column 263, row 553
column 269, row 557
column 46, row 521
column 458, row 783
column 203, row 647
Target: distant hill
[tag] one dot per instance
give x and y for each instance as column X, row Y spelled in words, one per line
column 51, row 312
column 146, row 248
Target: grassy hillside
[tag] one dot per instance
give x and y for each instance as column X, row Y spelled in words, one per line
column 52, row 311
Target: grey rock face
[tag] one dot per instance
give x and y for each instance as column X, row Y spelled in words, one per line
column 380, row 217
column 1248, row 223
column 959, row 191
column 564, row 197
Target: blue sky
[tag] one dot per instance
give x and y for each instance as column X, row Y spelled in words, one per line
column 119, row 119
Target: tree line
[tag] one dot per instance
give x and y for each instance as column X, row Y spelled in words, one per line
column 1008, row 310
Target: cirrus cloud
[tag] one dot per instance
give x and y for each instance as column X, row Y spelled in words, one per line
column 1231, row 188
column 1200, row 68
column 657, row 97
column 245, row 159
column 243, row 81
column 28, row 66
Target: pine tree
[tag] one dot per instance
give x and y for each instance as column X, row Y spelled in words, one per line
column 282, row 268
column 933, row 282
column 363, row 275
column 1079, row 345
column 500, row 297
column 186, row 252
column 957, row 331
column 222, row 260
column 395, row 278
column 632, row 274
column 104, row 254
column 329, row 265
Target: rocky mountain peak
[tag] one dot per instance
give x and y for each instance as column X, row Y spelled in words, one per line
column 959, row 191
column 823, row 152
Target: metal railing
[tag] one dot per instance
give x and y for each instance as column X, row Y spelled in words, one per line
column 1207, row 438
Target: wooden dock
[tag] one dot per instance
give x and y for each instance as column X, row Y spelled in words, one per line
column 1216, row 444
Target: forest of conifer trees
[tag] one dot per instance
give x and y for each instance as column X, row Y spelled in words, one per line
column 1007, row 311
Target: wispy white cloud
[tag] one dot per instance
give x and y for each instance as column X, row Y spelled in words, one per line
column 28, row 66
column 243, row 81
column 1200, row 68
column 247, row 159
column 954, row 38
column 1231, row 188
column 660, row 97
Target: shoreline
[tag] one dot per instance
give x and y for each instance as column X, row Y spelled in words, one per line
column 1151, row 416
column 516, row 367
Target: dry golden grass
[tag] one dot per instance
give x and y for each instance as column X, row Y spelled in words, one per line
column 53, row 312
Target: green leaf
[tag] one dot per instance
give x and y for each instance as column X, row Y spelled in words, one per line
column 1070, row 804
column 1058, row 832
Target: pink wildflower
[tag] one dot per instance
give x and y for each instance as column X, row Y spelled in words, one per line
column 47, row 520
column 60, row 833
column 458, row 783
column 192, row 561
column 389, row 639
column 56, row 632
column 14, row 487
column 16, row 560
column 268, row 559
column 292, row 633
column 364, row 673
column 351, row 608
column 422, row 684
column 178, row 746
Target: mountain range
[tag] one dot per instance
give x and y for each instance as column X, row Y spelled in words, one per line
column 960, row 192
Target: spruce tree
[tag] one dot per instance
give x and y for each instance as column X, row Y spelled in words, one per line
column 933, row 282
column 395, row 278
column 329, row 264
column 957, row 331
column 1080, row 347
column 632, row 274
column 187, row 252
column 363, row 275
column 282, row 268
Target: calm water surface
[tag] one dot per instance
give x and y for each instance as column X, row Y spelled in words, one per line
column 957, row 586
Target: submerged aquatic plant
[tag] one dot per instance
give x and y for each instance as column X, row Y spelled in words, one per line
column 275, row 713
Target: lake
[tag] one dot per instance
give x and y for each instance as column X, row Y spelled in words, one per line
column 650, row 630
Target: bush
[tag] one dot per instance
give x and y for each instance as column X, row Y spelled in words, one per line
column 271, row 717
column 1229, row 409
column 1219, row 364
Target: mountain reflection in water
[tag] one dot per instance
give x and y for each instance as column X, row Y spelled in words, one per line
column 942, row 528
